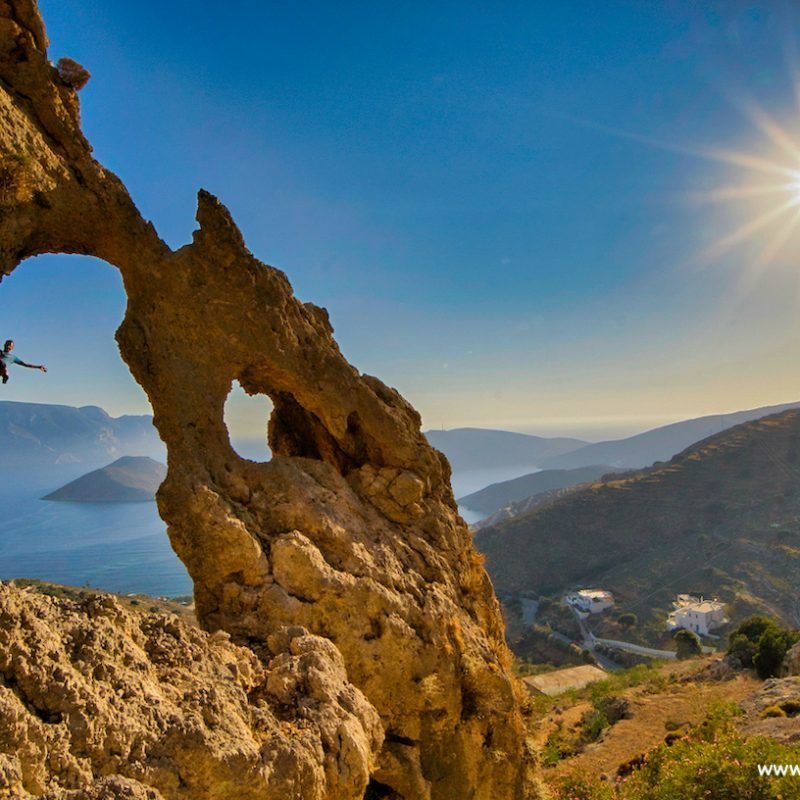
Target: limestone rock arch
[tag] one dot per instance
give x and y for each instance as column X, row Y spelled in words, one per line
column 351, row 530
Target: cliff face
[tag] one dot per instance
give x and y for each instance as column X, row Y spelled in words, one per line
column 350, row 532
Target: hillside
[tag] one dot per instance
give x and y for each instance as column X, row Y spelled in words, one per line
column 722, row 517
column 500, row 495
column 521, row 507
column 658, row 444
column 688, row 729
column 130, row 479
column 479, row 448
column 39, row 436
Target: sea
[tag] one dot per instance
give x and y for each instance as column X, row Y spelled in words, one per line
column 466, row 482
column 116, row 547
column 119, row 547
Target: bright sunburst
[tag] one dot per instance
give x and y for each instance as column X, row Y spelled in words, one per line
column 795, row 185
column 766, row 193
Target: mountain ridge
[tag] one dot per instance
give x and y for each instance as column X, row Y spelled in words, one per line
column 52, row 436
column 721, row 517
column 658, row 444
column 471, row 448
column 504, row 493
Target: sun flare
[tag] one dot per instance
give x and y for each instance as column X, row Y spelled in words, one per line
column 794, row 186
column 765, row 197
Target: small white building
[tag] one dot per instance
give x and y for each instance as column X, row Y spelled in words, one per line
column 590, row 601
column 696, row 614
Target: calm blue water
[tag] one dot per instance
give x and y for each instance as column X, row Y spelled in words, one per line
column 467, row 481
column 119, row 547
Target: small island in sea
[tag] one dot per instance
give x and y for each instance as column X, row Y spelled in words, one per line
column 130, row 479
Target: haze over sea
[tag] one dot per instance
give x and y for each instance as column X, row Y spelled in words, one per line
column 118, row 547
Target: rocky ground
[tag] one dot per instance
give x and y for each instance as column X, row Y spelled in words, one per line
column 98, row 701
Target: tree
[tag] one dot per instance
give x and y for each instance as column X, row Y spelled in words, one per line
column 753, row 628
column 688, row 643
column 628, row 620
column 742, row 648
column 771, row 650
column 761, row 643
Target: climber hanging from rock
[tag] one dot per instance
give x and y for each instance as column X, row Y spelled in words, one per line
column 7, row 358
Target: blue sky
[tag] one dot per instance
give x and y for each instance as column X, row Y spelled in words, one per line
column 494, row 203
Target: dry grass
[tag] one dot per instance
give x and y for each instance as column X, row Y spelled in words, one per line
column 656, row 706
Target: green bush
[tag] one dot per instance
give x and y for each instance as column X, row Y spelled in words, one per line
column 761, row 643
column 752, row 628
column 713, row 762
column 771, row 649
column 688, row 644
column 743, row 648
column 593, row 723
column 560, row 744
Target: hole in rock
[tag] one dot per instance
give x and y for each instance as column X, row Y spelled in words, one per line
column 84, row 414
column 380, row 791
column 246, row 417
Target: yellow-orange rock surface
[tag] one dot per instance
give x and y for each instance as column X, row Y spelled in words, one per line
column 350, row 532
column 96, row 701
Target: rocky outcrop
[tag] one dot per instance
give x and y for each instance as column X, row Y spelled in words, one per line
column 773, row 710
column 350, row 532
column 97, row 701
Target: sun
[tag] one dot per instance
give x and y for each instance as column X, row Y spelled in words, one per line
column 794, row 186
column 764, row 196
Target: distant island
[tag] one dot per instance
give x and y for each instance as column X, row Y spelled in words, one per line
column 130, row 479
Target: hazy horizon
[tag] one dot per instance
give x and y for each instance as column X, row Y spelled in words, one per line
column 576, row 231
column 246, row 420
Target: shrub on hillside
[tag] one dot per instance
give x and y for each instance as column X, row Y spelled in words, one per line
column 688, row 643
column 771, row 649
column 759, row 642
column 791, row 707
column 606, row 711
column 711, row 761
column 628, row 620
column 742, row 648
column 753, row 627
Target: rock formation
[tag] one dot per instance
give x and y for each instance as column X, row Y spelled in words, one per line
column 350, row 533
column 110, row 703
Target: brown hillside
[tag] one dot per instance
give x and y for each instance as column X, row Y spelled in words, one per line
column 722, row 517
